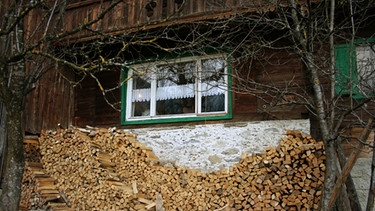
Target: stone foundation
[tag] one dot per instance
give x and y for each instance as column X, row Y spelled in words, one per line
column 215, row 146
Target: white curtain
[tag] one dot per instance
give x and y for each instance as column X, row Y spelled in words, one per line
column 177, row 92
column 141, row 95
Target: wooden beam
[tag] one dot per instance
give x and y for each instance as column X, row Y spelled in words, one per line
column 349, row 164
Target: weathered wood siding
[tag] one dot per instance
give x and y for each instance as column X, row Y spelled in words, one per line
column 278, row 69
column 53, row 101
column 50, row 103
column 92, row 109
column 130, row 15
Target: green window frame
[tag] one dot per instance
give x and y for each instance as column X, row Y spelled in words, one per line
column 144, row 80
column 347, row 75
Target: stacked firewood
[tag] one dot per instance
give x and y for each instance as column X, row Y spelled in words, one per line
column 38, row 187
column 100, row 169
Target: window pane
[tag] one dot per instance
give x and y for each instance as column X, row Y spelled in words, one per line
column 213, row 85
column 141, row 95
column 366, row 69
column 175, row 91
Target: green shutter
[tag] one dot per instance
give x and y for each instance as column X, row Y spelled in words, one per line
column 346, row 70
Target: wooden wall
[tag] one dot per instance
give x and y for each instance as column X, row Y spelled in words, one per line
column 56, row 101
column 92, row 109
column 53, row 101
column 131, row 15
column 50, row 103
column 278, row 69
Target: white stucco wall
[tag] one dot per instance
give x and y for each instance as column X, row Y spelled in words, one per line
column 213, row 147
column 361, row 175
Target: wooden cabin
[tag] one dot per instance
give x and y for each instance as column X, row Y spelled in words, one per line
column 59, row 100
column 203, row 105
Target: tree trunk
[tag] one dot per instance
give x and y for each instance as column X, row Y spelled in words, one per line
column 2, row 142
column 2, row 139
column 349, row 165
column 329, row 143
column 350, row 186
column 14, row 159
column 12, row 94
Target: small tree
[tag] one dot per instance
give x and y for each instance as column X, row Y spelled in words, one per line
column 30, row 50
column 34, row 48
column 311, row 31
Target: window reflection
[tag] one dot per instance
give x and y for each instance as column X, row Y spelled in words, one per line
column 365, row 66
column 141, row 95
column 191, row 86
column 213, row 85
column 175, row 93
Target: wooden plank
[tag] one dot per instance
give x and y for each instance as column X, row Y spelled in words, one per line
column 157, row 12
column 65, row 90
column 171, row 8
column 108, row 18
column 54, row 99
column 43, row 102
column 133, row 16
column 200, row 6
column 94, row 15
column 31, row 140
column 139, row 13
column 349, row 164
column 186, row 8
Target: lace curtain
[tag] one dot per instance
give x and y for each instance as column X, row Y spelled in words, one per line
column 177, row 92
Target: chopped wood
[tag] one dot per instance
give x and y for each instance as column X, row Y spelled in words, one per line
column 159, row 202
column 145, row 201
column 51, row 197
column 107, row 169
column 31, row 140
column 56, row 204
column 134, row 185
column 223, row 208
column 151, row 205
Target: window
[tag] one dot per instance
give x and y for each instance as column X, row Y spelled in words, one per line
column 355, row 69
column 185, row 89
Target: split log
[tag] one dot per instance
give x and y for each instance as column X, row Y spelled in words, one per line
column 99, row 169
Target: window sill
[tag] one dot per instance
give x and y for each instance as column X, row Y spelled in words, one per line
column 187, row 118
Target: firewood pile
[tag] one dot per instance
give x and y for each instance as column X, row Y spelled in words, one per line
column 107, row 169
column 38, row 187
